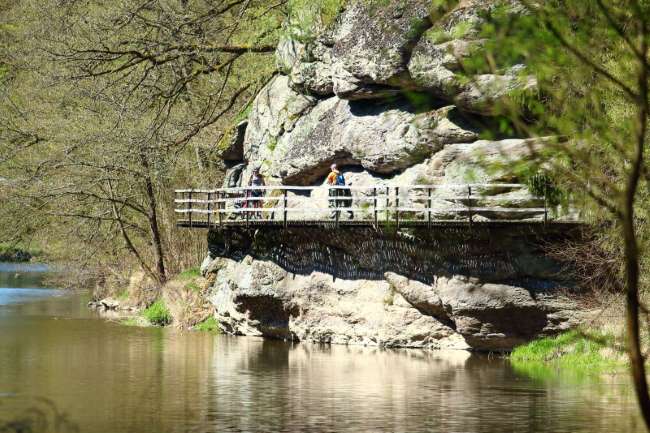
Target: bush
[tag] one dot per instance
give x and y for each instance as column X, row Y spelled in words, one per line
column 158, row 314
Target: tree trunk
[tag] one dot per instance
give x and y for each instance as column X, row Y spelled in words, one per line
column 153, row 222
column 637, row 361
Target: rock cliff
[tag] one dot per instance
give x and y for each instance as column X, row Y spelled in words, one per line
column 381, row 92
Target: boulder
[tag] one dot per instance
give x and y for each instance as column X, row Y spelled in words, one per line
column 435, row 64
column 254, row 297
column 489, row 316
column 500, row 316
column 372, row 44
column 381, row 92
column 297, row 142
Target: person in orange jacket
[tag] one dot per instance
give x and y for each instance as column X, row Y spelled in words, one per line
column 336, row 178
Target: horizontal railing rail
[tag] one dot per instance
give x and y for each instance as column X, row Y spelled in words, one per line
column 375, row 204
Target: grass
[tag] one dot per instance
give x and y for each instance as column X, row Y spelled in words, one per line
column 189, row 274
column 208, row 325
column 592, row 352
column 158, row 313
column 243, row 114
column 272, row 144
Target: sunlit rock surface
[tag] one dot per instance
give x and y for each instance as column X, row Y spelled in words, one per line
column 489, row 289
column 381, row 91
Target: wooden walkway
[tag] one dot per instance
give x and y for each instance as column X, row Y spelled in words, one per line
column 449, row 205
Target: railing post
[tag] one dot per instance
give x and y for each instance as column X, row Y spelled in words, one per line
column 189, row 203
column 336, row 206
column 469, row 204
column 429, row 207
column 209, row 208
column 397, row 207
column 545, row 204
column 248, row 202
column 374, row 203
column 284, row 208
column 387, row 202
column 220, row 206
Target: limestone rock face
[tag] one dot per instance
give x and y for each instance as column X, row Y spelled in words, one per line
column 378, row 139
column 355, row 286
column 372, row 44
column 275, row 111
column 254, row 297
column 380, row 91
column 489, row 316
column 259, row 298
column 435, row 63
column 376, row 51
column 501, row 316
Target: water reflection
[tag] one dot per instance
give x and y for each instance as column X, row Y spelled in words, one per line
column 19, row 275
column 110, row 378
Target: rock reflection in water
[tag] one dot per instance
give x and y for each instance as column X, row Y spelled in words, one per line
column 106, row 377
column 338, row 388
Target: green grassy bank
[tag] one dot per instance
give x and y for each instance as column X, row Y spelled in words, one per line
column 578, row 352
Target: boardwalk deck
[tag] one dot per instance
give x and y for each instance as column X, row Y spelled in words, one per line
column 457, row 205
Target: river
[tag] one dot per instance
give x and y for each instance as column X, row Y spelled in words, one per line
column 62, row 364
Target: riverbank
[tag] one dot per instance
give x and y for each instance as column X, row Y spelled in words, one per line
column 579, row 351
column 597, row 347
column 186, row 302
column 182, row 302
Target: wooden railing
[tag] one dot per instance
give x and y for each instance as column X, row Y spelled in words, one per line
column 375, row 204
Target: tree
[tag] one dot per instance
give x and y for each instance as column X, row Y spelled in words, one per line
column 105, row 106
column 592, row 63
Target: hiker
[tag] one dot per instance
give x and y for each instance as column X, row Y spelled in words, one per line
column 336, row 178
column 256, row 180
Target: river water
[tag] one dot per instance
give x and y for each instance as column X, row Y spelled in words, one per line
column 61, row 365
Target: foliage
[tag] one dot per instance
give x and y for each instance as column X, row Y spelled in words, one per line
column 106, row 107
column 18, row 252
column 582, row 106
column 208, row 325
column 542, row 184
column 272, row 143
column 591, row 61
column 157, row 313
